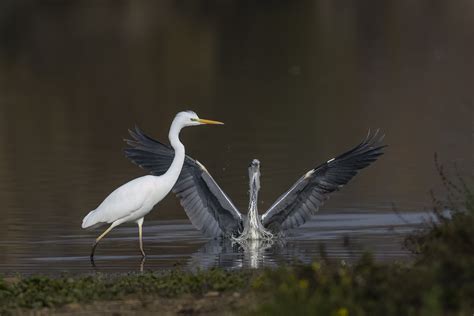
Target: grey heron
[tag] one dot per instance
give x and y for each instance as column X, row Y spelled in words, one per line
column 211, row 210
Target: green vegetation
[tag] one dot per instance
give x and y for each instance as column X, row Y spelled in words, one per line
column 42, row 291
column 445, row 286
column 439, row 281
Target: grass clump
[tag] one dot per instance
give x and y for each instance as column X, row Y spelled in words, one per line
column 367, row 288
column 440, row 280
column 42, row 291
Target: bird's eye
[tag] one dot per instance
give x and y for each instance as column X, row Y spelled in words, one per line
column 193, row 119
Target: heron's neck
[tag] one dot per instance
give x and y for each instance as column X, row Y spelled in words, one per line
column 178, row 160
column 253, row 209
column 253, row 228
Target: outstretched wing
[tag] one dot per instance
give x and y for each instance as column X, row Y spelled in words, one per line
column 207, row 206
column 298, row 204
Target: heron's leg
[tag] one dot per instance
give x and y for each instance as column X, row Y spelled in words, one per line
column 140, row 234
column 99, row 238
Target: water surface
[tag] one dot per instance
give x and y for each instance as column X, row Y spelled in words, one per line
column 175, row 243
column 296, row 83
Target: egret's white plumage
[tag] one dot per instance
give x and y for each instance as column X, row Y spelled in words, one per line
column 129, row 202
column 135, row 199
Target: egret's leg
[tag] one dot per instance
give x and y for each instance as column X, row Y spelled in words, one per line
column 99, row 238
column 140, row 223
column 142, row 263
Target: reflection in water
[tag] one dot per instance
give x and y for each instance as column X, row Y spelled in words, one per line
column 97, row 268
column 233, row 254
column 342, row 236
column 254, row 251
column 327, row 235
column 260, row 253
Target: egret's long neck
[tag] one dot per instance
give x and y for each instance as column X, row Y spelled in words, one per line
column 178, row 160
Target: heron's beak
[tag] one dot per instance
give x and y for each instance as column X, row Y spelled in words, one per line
column 203, row 121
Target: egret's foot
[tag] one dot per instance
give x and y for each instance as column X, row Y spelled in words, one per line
column 94, row 245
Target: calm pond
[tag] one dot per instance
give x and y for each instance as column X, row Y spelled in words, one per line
column 296, row 82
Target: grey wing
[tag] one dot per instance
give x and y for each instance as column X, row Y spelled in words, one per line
column 207, row 206
column 148, row 153
column 304, row 198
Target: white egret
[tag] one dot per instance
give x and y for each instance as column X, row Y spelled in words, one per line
column 212, row 212
column 135, row 199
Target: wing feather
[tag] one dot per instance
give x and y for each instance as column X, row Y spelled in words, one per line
column 207, row 206
column 304, row 198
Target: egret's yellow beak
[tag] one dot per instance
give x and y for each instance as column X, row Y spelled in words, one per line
column 203, row 121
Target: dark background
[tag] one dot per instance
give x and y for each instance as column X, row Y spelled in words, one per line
column 296, row 82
